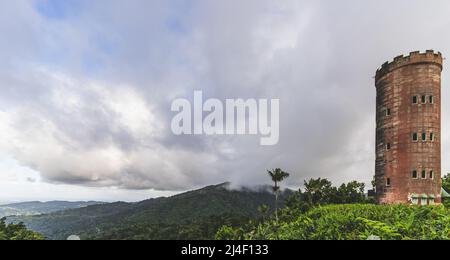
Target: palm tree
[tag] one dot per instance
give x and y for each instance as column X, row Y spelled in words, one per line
column 277, row 176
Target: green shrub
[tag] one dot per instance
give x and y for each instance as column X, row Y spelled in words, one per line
column 351, row 222
column 17, row 232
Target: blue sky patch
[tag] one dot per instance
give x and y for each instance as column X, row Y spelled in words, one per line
column 58, row 9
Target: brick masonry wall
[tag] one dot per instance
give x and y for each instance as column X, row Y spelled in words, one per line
column 418, row 74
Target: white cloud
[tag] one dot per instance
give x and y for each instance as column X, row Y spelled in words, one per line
column 54, row 145
column 86, row 99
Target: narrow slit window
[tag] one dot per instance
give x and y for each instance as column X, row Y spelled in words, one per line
column 432, row 175
column 414, row 100
column 415, row 137
column 431, row 99
column 414, row 174
column 424, row 99
column 388, row 112
column 431, row 137
column 424, row 136
column 424, row 174
column 388, row 146
column 388, row 182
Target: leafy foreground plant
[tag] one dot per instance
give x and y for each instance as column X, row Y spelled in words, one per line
column 17, row 232
column 350, row 222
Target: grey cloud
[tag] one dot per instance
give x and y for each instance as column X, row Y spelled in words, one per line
column 96, row 111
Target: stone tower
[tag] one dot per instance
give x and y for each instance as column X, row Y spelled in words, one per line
column 408, row 130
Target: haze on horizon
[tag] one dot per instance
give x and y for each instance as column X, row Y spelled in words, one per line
column 86, row 88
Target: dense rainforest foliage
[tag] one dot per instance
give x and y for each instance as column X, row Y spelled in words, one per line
column 17, row 232
column 324, row 212
column 318, row 211
column 204, row 228
column 350, row 222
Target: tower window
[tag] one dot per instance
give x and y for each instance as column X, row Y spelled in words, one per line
column 431, row 99
column 423, row 200
column 424, row 174
column 431, row 137
column 414, row 100
column 424, row 136
column 431, row 200
column 415, row 199
column 388, row 182
column 415, row 137
column 414, row 174
column 388, row 146
column 388, row 112
column 424, row 99
column 432, row 175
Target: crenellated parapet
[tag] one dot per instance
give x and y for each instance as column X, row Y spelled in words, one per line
column 416, row 57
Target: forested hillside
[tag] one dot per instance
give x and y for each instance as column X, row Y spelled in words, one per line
column 192, row 215
column 318, row 211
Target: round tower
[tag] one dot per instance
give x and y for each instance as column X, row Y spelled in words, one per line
column 408, row 130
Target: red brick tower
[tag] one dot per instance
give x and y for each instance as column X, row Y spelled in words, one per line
column 408, row 131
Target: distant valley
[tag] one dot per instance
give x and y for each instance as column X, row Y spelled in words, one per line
column 37, row 207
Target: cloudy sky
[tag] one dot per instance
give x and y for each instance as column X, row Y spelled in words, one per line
column 86, row 88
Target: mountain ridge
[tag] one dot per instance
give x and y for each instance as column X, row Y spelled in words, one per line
column 175, row 216
column 38, row 207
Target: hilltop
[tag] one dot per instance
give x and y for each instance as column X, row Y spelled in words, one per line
column 192, row 215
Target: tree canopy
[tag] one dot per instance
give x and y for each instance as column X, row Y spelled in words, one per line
column 17, row 232
column 320, row 191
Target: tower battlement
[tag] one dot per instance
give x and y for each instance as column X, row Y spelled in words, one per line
column 429, row 56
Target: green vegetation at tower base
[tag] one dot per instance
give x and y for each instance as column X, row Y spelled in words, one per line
column 17, row 232
column 446, row 187
column 349, row 222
